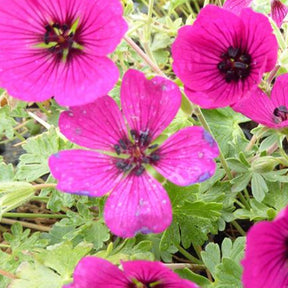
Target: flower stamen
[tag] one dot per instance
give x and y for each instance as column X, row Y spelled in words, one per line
column 235, row 65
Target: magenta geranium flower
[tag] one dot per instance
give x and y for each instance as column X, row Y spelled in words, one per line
column 59, row 48
column 138, row 202
column 266, row 254
column 96, row 272
column 222, row 56
column 278, row 11
column 270, row 111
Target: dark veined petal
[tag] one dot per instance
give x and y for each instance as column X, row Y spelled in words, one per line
column 148, row 272
column 138, row 204
column 265, row 261
column 187, row 157
column 97, row 272
column 84, row 172
column 99, row 125
column 149, row 105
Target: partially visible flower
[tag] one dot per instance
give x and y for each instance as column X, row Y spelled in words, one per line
column 59, row 48
column 270, row 111
column 138, row 202
column 278, row 12
column 223, row 56
column 266, row 254
column 236, row 6
column 93, row 272
column 278, row 9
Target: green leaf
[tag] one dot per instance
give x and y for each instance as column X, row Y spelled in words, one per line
column 228, row 274
column 258, row 186
column 200, row 209
column 211, row 257
column 63, row 257
column 225, row 119
column 97, row 233
column 240, row 182
column 127, row 250
column 258, row 211
column 195, row 278
column 35, row 275
column 14, row 194
column 34, row 163
column 7, row 122
column 6, row 172
column 237, row 165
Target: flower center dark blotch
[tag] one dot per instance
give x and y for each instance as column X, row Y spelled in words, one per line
column 138, row 150
column 62, row 40
column 235, row 65
column 280, row 114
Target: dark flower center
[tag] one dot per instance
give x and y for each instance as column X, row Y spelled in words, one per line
column 280, row 114
column 235, row 65
column 62, row 40
column 139, row 152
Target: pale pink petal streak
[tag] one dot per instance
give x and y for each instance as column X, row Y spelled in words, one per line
column 99, row 125
column 187, row 157
column 84, row 172
column 139, row 204
column 149, row 105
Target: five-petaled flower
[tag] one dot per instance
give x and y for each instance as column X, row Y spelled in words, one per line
column 138, row 202
column 266, row 254
column 222, row 56
column 59, row 48
column 270, row 111
column 97, row 272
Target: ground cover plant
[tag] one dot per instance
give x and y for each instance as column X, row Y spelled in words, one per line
column 143, row 144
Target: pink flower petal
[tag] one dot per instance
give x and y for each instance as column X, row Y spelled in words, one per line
column 148, row 272
column 194, row 67
column 265, row 262
column 260, row 107
column 149, row 105
column 92, row 272
column 202, row 55
column 278, row 12
column 236, row 6
column 84, row 172
column 255, row 37
column 187, row 156
column 99, row 125
column 138, row 204
column 42, row 71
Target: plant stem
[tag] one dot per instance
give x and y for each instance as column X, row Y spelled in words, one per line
column 46, row 185
column 39, row 198
column 187, row 254
column 239, row 228
column 204, row 123
column 174, row 266
column 144, row 56
column 7, row 274
column 4, row 246
column 26, row 224
column 33, row 215
column 19, row 136
column 243, row 200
